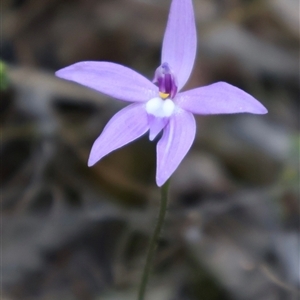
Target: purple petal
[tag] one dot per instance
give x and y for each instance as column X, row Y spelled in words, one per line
column 156, row 126
column 176, row 141
column 180, row 40
column 111, row 79
column 219, row 98
column 125, row 126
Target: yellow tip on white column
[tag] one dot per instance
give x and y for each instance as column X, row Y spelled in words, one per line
column 163, row 95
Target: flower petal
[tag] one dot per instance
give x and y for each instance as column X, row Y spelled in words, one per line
column 219, row 98
column 111, row 79
column 180, row 40
column 156, row 126
column 125, row 126
column 176, row 141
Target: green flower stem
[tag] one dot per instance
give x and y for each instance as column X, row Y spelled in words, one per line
column 154, row 239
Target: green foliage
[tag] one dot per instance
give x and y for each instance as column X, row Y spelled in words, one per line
column 3, row 76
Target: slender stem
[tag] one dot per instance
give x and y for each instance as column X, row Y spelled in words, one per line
column 154, row 239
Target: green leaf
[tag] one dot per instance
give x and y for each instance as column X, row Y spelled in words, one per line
column 3, row 76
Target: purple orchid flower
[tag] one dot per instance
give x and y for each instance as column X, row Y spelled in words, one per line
column 159, row 105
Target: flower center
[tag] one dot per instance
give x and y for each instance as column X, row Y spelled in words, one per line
column 163, row 106
column 166, row 81
column 160, row 108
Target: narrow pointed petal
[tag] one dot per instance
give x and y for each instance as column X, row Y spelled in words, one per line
column 125, row 126
column 219, row 98
column 111, row 79
column 176, row 141
column 180, row 40
column 156, row 126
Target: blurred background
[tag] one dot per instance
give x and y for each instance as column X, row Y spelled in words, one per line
column 73, row 232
